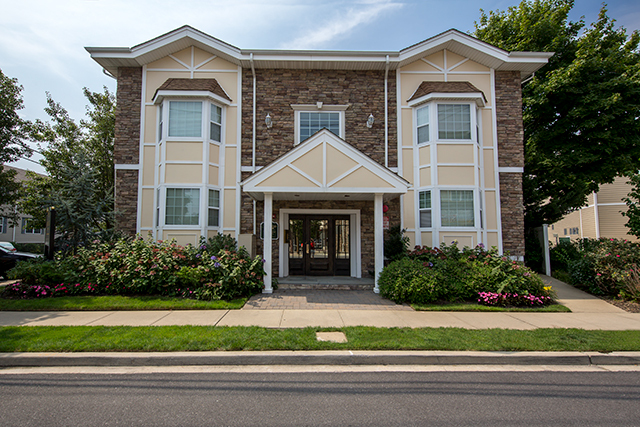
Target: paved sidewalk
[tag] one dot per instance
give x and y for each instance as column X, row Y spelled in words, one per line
column 588, row 312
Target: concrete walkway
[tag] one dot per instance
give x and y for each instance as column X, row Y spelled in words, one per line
column 588, row 312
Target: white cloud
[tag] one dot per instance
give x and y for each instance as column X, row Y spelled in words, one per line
column 340, row 24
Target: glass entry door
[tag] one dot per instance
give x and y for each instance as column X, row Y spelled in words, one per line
column 319, row 245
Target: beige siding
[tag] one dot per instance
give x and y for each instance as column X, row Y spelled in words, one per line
column 184, row 151
column 213, row 175
column 409, row 209
column 612, row 223
column 181, row 237
column 229, row 208
column 148, row 210
column 463, row 239
column 615, row 192
column 427, row 238
column 456, row 175
column 148, row 176
column 183, row 174
column 456, row 153
column 425, row 177
column 490, row 210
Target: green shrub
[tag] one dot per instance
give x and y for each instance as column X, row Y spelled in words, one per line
column 36, row 248
column 563, row 254
column 37, row 271
column 450, row 274
column 395, row 243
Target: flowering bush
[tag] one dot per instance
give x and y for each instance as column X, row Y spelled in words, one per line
column 213, row 270
column 513, row 300
column 606, row 267
column 452, row 274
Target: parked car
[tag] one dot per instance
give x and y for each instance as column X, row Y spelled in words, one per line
column 8, row 258
column 8, row 245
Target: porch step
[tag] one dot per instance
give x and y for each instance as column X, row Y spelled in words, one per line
column 326, row 286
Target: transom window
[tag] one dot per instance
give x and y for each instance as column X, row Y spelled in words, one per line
column 185, row 119
column 182, row 206
column 456, row 208
column 214, row 208
column 312, row 122
column 454, row 121
column 425, row 209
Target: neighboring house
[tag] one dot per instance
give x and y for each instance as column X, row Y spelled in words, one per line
column 601, row 217
column 22, row 232
column 331, row 146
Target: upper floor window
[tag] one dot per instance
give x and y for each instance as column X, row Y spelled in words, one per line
column 215, row 123
column 185, row 119
column 312, row 122
column 422, row 122
column 454, row 121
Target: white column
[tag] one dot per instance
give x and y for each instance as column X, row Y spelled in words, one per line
column 378, row 234
column 266, row 243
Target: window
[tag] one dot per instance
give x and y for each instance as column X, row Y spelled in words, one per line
column 457, row 208
column 422, row 120
column 214, row 208
column 312, row 122
column 454, row 121
column 182, row 206
column 3, row 225
column 185, row 119
column 425, row 209
column 215, row 123
column 28, row 229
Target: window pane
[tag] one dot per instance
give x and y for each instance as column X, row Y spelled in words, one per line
column 182, row 206
column 425, row 219
column 216, row 114
column 213, row 217
column 425, row 200
column 423, row 134
column 185, row 119
column 454, row 121
column 215, row 132
column 423, row 116
column 457, row 208
column 311, row 123
column 214, row 199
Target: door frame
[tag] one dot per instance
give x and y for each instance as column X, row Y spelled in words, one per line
column 354, row 233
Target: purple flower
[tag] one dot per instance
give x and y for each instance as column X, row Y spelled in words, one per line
column 480, row 245
column 203, row 247
column 217, row 264
column 213, row 258
column 198, row 255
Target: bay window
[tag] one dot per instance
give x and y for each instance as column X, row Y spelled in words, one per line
column 182, row 206
column 456, row 208
column 185, row 119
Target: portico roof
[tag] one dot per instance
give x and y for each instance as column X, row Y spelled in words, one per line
column 324, row 167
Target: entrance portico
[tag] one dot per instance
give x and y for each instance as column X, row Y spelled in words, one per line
column 323, row 241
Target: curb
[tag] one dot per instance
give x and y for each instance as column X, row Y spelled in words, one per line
column 244, row 358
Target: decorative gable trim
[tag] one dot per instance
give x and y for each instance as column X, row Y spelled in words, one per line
column 324, row 165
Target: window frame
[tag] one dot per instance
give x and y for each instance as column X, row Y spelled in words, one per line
column 166, row 206
column 425, row 209
column 24, row 229
column 318, row 108
column 434, row 124
column 4, row 225
column 207, row 104
column 474, row 211
column 213, row 208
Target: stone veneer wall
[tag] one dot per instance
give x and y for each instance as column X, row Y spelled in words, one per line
column 278, row 89
column 127, row 147
column 510, row 154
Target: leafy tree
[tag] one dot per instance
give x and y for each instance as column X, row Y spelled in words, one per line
column 633, row 206
column 12, row 147
column 79, row 161
column 580, row 111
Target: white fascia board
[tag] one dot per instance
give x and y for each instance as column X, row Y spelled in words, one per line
column 186, row 32
column 188, row 94
column 452, row 35
column 439, row 96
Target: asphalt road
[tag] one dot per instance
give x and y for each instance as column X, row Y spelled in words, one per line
column 269, row 399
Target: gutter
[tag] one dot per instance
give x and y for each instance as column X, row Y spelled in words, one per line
column 386, row 114
column 253, row 136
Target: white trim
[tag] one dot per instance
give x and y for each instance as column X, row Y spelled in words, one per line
column 446, row 96
column 514, row 169
column 494, row 123
column 378, row 240
column 127, row 166
column 297, row 109
column 187, row 94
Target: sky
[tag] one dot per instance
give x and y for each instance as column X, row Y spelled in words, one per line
column 42, row 41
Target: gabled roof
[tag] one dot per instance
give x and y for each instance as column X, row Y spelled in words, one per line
column 192, row 85
column 110, row 58
column 427, row 88
column 324, row 167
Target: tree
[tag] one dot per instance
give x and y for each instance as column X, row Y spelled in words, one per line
column 581, row 111
column 633, row 206
column 12, row 146
column 79, row 161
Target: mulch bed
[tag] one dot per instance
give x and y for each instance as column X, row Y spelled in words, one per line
column 629, row 306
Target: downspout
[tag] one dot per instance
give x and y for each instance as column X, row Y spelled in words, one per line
column 253, row 137
column 386, row 114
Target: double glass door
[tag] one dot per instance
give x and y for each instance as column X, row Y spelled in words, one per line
column 319, row 245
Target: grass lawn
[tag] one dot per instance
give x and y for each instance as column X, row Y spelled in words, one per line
column 115, row 302
column 202, row 338
column 471, row 306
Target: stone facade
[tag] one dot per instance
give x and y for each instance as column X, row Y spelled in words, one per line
column 127, row 147
column 278, row 89
column 510, row 154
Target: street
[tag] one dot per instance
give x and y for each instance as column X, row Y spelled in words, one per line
column 316, row 398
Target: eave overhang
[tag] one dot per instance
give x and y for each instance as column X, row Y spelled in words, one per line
column 111, row 58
